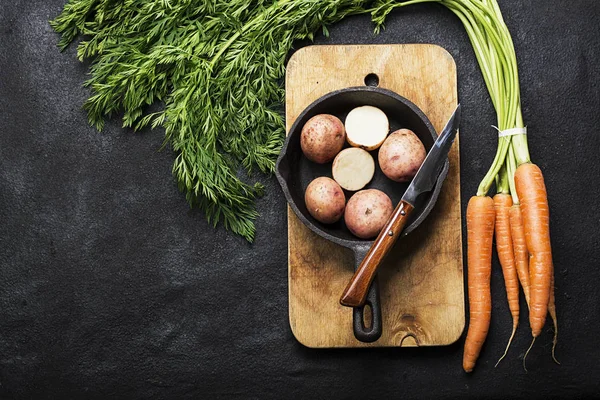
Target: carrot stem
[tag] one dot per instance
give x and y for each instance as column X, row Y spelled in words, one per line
column 488, row 179
column 511, row 167
column 502, row 184
column 495, row 54
column 520, row 148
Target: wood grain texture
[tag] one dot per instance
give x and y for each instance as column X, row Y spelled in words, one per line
column 421, row 281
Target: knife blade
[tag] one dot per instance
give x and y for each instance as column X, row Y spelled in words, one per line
column 431, row 167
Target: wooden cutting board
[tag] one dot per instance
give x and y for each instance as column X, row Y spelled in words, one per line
column 421, row 281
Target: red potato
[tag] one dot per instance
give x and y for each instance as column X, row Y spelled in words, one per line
column 401, row 155
column 322, row 137
column 367, row 212
column 325, row 200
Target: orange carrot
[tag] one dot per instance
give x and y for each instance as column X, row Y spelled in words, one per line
column 480, row 232
column 504, row 248
column 520, row 248
column 536, row 220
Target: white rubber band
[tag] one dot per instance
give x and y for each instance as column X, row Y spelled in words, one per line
column 512, row 132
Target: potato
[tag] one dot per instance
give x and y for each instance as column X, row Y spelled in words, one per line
column 322, row 137
column 367, row 212
column 353, row 168
column 366, row 127
column 401, row 155
column 325, row 200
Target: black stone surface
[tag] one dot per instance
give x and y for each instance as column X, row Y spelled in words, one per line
column 110, row 287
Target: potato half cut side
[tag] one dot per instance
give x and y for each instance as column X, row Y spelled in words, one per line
column 353, row 168
column 366, row 127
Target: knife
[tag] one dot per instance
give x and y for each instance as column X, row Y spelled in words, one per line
column 356, row 292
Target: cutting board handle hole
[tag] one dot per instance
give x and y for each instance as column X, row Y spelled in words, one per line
column 367, row 316
column 372, row 80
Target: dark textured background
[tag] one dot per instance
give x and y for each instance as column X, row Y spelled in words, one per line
column 110, row 287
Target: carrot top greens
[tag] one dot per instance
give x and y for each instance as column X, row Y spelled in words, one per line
column 217, row 66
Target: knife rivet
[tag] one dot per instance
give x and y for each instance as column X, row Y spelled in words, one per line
column 391, row 233
column 402, row 212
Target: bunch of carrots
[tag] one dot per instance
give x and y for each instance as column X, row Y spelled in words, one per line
column 518, row 214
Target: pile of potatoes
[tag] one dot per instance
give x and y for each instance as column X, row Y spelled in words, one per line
column 366, row 128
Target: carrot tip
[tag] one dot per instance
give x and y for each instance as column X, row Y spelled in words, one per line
column 527, row 352
column 512, row 335
column 553, row 348
column 555, row 339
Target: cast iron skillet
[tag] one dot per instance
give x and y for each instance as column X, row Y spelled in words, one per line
column 294, row 172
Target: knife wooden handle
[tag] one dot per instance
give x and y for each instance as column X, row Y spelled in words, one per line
column 356, row 292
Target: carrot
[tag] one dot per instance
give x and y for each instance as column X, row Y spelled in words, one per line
column 552, row 312
column 536, row 220
column 504, row 248
column 531, row 190
column 520, row 248
column 480, row 231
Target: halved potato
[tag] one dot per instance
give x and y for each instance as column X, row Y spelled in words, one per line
column 366, row 127
column 353, row 168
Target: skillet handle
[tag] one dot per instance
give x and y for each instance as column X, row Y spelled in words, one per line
column 374, row 331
